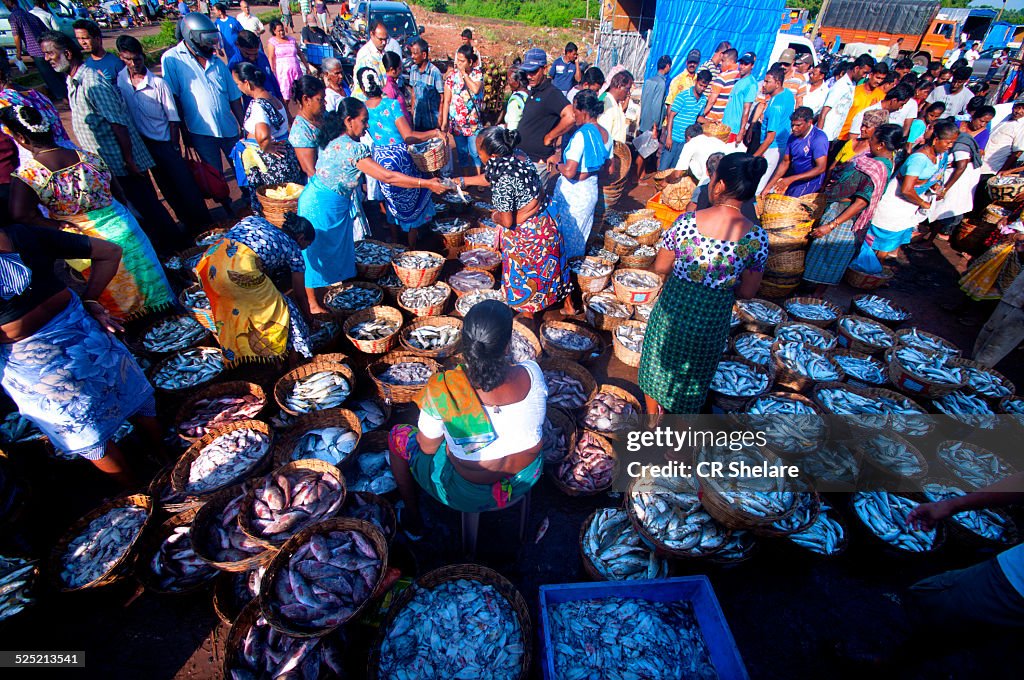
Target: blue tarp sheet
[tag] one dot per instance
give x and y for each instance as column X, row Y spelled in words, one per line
column 681, row 25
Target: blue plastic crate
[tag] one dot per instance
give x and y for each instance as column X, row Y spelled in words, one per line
column 696, row 589
column 315, row 54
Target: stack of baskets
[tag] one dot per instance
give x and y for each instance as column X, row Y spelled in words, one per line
column 788, row 221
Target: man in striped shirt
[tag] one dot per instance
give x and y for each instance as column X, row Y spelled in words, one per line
column 687, row 109
column 721, row 86
column 714, row 64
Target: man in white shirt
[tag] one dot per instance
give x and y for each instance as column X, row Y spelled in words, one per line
column 955, row 54
column 955, row 94
column 695, row 153
column 614, row 117
column 42, row 10
column 840, row 98
column 1006, row 142
column 371, row 55
column 892, row 104
column 248, row 21
column 817, row 90
column 972, row 54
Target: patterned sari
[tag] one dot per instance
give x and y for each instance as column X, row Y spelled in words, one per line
column 409, row 208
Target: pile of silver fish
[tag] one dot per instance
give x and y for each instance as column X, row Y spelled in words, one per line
column 176, row 565
column 418, row 260
column 631, row 337
column 91, row 554
column 967, row 408
column 564, row 390
column 286, row 503
column 327, row 580
column 600, row 253
column 589, row 267
column 425, row 296
column 466, row 302
column 934, row 367
column 754, row 346
column 483, row 258
column 321, row 333
column 633, row 279
column 975, row 466
column 567, row 339
column 886, row 515
column 798, row 357
column 457, row 629
column 373, row 473
column 520, row 349
column 434, row 337
column 267, row 653
column 173, row 333
column 455, row 226
column 824, row 537
column 738, row 380
column 805, row 511
column 628, row 638
column 881, row 308
column 17, row 577
column 390, row 280
column 329, row 444
column 867, row 331
column 189, row 368
column 470, row 279
column 554, row 442
column 738, row 546
column 643, row 227
column 645, row 251
column 214, row 412
column 195, row 297
column 616, row 550
column 805, row 334
column 833, row 462
column 891, row 454
column 17, row 429
column 370, row 414
column 643, row 312
column 225, row 541
column 483, row 206
column 623, row 239
column 1015, row 408
column 985, row 382
column 866, row 369
column 669, row 510
column 353, row 298
column 588, row 467
column 759, row 496
column 320, row 390
column 613, row 218
column 799, row 430
column 607, row 412
column 984, row 522
column 760, row 311
column 608, row 305
column 374, row 329
column 1006, row 180
column 406, row 373
column 225, row 459
column 810, row 310
column 925, row 343
column 488, row 237
column 360, row 506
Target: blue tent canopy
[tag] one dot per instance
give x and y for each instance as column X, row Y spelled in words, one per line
column 682, row 25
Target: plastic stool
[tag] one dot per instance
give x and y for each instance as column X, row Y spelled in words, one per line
column 471, row 523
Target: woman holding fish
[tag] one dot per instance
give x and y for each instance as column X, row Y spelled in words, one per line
column 533, row 272
column 478, row 441
column 255, row 322
column 851, row 197
column 59, row 361
column 709, row 258
column 81, row 196
column 331, row 199
column 390, row 131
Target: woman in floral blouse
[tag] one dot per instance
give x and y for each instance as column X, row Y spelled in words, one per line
column 710, row 258
column 460, row 107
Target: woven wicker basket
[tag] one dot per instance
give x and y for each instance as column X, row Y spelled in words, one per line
column 993, row 401
column 1004, row 466
column 808, row 499
column 799, row 451
column 183, row 389
column 968, row 538
column 564, row 421
column 995, row 213
column 780, row 212
column 493, row 269
column 970, row 236
column 575, row 371
column 180, row 473
column 1005, row 192
column 594, row 284
column 372, row 271
column 613, row 246
column 749, row 323
column 205, row 339
column 718, row 130
column 527, row 334
column 916, row 385
column 600, row 321
column 286, row 441
column 678, row 195
column 789, row 262
column 856, row 307
column 623, row 353
column 637, row 261
column 389, row 314
column 232, row 388
column 166, row 498
column 209, row 237
column 828, row 338
column 203, row 316
column 846, row 340
column 773, row 287
column 489, row 231
column 432, row 158
column 951, row 350
column 226, row 602
column 820, row 323
column 435, row 309
column 418, row 278
column 863, row 281
column 554, row 350
column 439, row 353
column 275, row 209
column 454, row 240
column 655, row 543
column 718, row 504
column 884, row 474
column 150, row 544
column 342, row 313
column 118, row 569
column 728, row 403
column 284, row 384
column 609, row 450
column 389, row 524
column 631, row 295
column 626, row 396
column 793, row 380
column 212, row 512
column 398, row 393
column 460, row 292
column 888, row 548
column 851, row 380
column 454, row 572
column 637, row 215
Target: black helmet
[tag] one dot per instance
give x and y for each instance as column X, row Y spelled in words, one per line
column 199, row 34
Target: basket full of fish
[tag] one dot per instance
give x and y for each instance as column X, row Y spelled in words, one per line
column 592, row 273
column 101, row 547
column 223, row 457
column 747, row 501
column 798, row 366
column 467, row 301
column 604, row 311
column 862, row 370
column 880, row 309
column 612, row 550
column 892, row 457
column 806, row 508
column 827, row 536
column 735, row 382
column 432, row 336
column 427, row 300
column 255, row 649
column 975, row 466
column 611, row 412
column 217, row 538
column 417, row 268
column 470, row 280
column 372, row 508
column 314, row 386
column 399, row 376
column 187, row 369
column 967, row 408
column 570, row 386
column 668, row 515
column 166, row 498
column 373, row 330
column 458, row 621
column 172, row 334
column 567, row 340
column 523, row 345
column 628, row 342
column 928, row 343
column 345, row 299
column 168, row 563
column 860, row 334
column 983, row 528
column 641, row 258
column 195, row 302
column 1013, row 407
column 323, row 576
column 985, row 382
column 756, row 347
column 289, row 499
column 760, row 316
column 884, row 516
column 373, row 258
column 807, row 334
column 619, row 242
column 17, row 579
column 481, row 258
column 482, row 236
column 813, row 311
column 791, row 423
column 588, row 469
column 636, row 286
column 452, row 231
column 558, row 436
column 929, row 374
column 330, row 436
column 873, row 408
column 218, row 404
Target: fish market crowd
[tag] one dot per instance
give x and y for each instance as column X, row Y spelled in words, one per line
column 275, row 390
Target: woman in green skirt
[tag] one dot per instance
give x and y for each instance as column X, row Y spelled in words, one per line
column 710, row 258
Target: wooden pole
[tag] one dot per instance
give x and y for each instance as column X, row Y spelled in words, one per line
column 821, row 14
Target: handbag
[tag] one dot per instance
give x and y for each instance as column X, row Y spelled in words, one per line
column 209, row 180
column 752, row 135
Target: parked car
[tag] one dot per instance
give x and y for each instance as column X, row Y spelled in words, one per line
column 397, row 16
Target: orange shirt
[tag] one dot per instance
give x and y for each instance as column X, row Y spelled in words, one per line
column 862, row 99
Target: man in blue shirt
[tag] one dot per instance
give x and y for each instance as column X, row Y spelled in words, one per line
column 802, row 169
column 427, row 84
column 775, row 126
column 249, row 50
column 88, row 35
column 229, row 29
column 743, row 96
column 564, row 72
column 687, row 109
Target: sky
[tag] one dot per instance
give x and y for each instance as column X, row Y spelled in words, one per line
column 1010, row 4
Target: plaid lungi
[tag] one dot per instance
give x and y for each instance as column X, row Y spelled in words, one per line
column 830, row 256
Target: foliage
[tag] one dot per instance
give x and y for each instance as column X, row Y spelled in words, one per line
column 439, row 6
column 160, row 40
column 533, row 12
column 813, row 5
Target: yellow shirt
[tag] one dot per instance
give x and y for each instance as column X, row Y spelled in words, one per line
column 862, row 99
column 681, row 83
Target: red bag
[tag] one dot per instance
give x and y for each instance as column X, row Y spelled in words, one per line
column 210, row 181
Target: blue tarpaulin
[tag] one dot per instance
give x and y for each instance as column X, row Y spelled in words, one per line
column 681, row 25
